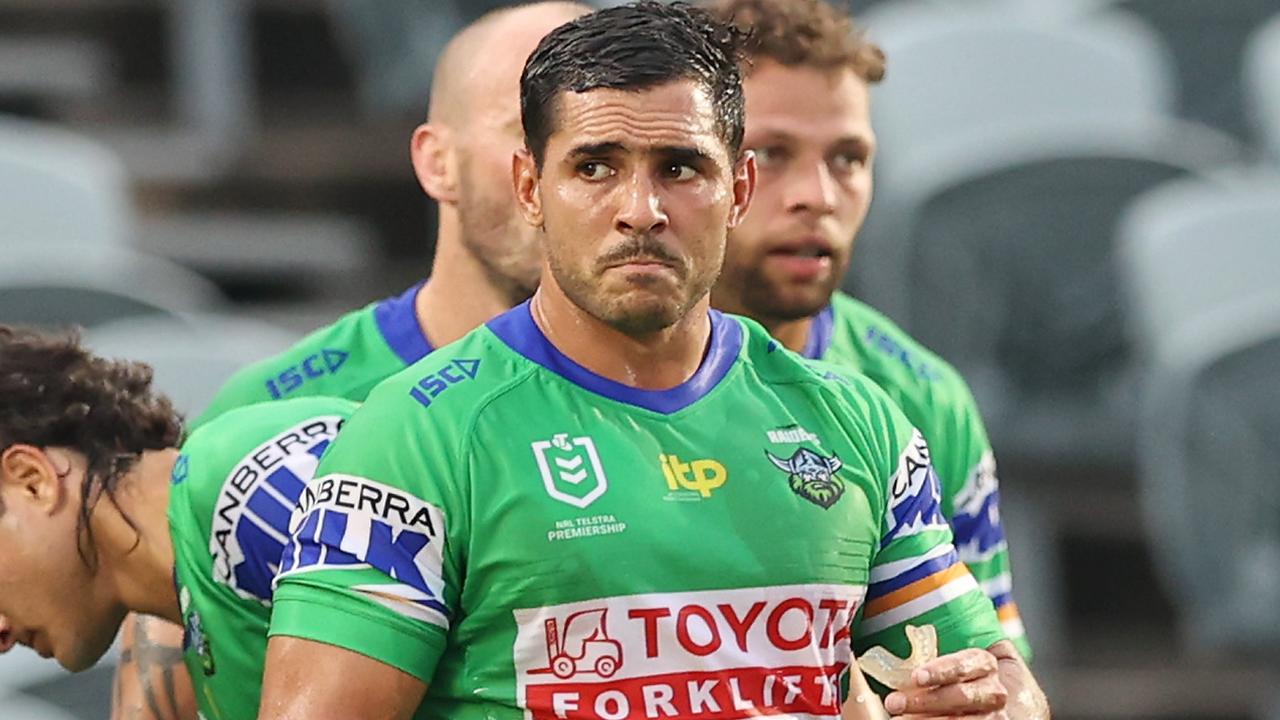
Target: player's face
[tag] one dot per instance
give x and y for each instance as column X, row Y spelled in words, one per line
column 491, row 224
column 811, row 133
column 49, row 597
column 635, row 199
column 489, row 134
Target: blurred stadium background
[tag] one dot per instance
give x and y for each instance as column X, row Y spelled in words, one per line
column 1078, row 203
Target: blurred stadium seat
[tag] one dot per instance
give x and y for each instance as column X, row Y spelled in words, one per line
column 1010, row 272
column 1200, row 259
column 60, row 187
column 193, row 354
column 1206, row 38
column 958, row 69
column 53, row 69
column 1208, row 460
column 955, row 71
column 1191, row 245
column 51, row 286
column 1262, row 77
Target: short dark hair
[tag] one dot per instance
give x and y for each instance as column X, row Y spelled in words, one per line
column 634, row 47
column 55, row 393
column 807, row 33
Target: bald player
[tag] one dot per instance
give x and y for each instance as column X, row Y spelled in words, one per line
column 486, row 262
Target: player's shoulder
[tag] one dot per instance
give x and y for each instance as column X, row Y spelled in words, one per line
column 239, row 430
column 344, row 359
column 322, row 353
column 781, row 368
column 454, row 382
column 229, row 454
column 891, row 357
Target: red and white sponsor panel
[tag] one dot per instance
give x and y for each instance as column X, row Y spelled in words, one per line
column 713, row 655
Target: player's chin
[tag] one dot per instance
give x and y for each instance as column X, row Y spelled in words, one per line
column 638, row 312
column 793, row 302
column 81, row 654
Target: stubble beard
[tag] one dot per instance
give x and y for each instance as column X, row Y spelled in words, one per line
column 623, row 311
column 507, row 251
column 759, row 296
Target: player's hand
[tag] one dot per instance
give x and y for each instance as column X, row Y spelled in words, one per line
column 7, row 639
column 962, row 684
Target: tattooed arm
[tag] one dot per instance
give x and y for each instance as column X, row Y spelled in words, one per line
column 151, row 681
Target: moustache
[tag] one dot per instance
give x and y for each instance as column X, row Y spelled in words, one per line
column 640, row 247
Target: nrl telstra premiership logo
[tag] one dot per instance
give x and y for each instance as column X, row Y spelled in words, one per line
column 571, row 469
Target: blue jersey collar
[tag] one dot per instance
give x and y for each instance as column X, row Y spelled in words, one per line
column 517, row 329
column 397, row 319
column 820, row 332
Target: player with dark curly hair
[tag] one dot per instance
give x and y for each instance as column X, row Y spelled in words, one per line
column 102, row 513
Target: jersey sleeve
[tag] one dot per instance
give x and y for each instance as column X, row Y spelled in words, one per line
column 916, row 576
column 971, row 501
column 373, row 563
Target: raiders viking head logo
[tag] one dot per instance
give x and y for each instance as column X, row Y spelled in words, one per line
column 812, row 476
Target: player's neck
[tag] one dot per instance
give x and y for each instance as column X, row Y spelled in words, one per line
column 793, row 334
column 653, row 361
column 460, row 294
column 131, row 534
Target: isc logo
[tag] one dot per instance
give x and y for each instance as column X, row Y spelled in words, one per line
column 432, row 385
column 700, row 476
column 325, row 362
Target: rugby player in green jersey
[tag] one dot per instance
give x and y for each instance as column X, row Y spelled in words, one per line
column 611, row 501
column 809, row 124
column 102, row 514
column 486, row 261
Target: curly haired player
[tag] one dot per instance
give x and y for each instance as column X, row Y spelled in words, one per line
column 103, row 514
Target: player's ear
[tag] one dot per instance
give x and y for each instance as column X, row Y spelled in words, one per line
column 435, row 162
column 28, row 476
column 744, row 186
column 524, row 178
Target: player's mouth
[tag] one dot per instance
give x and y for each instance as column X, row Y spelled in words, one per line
column 804, row 259
column 642, row 265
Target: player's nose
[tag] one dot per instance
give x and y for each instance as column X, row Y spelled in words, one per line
column 641, row 210
column 811, row 188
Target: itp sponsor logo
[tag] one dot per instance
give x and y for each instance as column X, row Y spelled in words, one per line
column 697, row 478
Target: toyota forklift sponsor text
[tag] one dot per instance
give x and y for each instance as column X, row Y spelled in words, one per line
column 711, row 655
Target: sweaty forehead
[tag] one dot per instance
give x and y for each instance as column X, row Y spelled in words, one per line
column 678, row 114
column 806, row 102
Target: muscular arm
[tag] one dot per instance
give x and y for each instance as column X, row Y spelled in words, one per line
column 151, row 681
column 308, row 680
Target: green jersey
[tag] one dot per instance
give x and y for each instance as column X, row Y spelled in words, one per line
column 345, row 359
column 937, row 400
column 533, row 540
column 234, row 486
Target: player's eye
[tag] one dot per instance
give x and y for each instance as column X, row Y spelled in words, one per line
column 594, row 170
column 680, row 172
column 769, row 156
column 845, row 162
